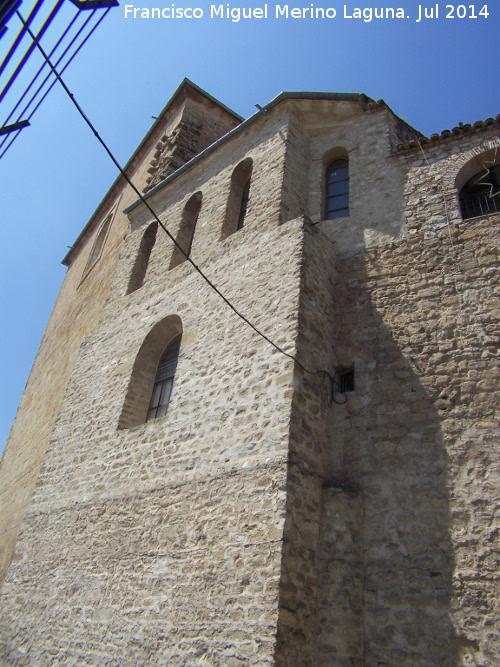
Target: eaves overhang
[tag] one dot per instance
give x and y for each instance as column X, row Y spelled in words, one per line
column 185, row 83
column 365, row 102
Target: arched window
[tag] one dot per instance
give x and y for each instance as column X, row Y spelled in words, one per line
column 337, row 189
column 164, row 380
column 150, row 386
column 239, row 195
column 185, row 234
column 142, row 260
column 481, row 194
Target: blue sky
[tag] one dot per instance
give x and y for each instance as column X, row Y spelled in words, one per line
column 434, row 73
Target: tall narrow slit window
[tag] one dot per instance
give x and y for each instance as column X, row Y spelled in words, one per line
column 187, row 227
column 337, row 189
column 164, row 380
column 239, row 197
column 142, row 260
column 481, row 194
column 244, row 204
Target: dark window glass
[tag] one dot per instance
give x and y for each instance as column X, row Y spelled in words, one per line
column 338, row 173
column 481, row 194
column 347, row 381
column 164, row 380
column 338, row 203
column 337, row 189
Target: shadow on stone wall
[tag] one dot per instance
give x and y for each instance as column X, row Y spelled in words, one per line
column 367, row 558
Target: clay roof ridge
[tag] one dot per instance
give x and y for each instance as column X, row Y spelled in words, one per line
column 461, row 130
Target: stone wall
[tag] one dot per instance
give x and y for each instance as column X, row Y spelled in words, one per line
column 312, row 453
column 409, row 526
column 175, row 523
column 75, row 315
column 162, row 541
column 375, row 181
column 270, row 518
column 197, row 125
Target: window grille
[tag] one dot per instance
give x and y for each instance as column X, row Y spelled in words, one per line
column 164, row 380
column 481, row 194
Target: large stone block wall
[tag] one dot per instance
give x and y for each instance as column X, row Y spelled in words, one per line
column 401, row 517
column 185, row 513
column 76, row 313
column 312, row 450
column 375, row 183
column 175, row 575
column 153, row 484
column 261, row 522
column 409, row 530
column 420, row 443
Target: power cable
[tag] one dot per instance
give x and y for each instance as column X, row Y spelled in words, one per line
column 30, row 49
column 323, row 373
column 20, row 36
column 40, row 69
column 82, row 44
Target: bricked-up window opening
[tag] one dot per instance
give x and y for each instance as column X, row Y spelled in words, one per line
column 164, row 380
column 244, row 204
column 239, row 197
column 337, row 189
column 346, row 381
column 481, row 194
column 142, row 260
column 96, row 251
column 186, row 231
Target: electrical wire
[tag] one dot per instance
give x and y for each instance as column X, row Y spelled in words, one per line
column 40, row 69
column 31, row 48
column 8, row 137
column 20, row 36
column 14, row 137
column 322, row 373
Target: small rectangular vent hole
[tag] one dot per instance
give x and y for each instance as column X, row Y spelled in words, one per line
column 346, row 380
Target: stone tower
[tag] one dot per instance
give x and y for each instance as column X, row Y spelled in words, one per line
column 253, row 512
